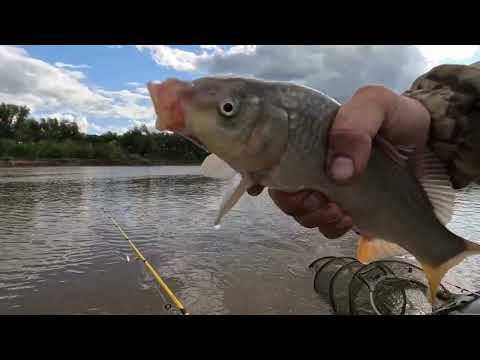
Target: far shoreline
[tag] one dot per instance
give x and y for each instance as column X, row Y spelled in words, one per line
column 93, row 162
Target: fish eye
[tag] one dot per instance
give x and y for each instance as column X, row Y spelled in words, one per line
column 228, row 107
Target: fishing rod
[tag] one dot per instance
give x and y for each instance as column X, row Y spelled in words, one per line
column 157, row 277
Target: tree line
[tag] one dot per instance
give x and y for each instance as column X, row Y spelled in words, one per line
column 23, row 137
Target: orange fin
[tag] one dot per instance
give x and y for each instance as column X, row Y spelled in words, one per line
column 375, row 249
column 435, row 274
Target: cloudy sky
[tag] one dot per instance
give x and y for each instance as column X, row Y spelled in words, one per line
column 102, row 87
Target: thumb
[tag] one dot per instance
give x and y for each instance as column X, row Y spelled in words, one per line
column 349, row 151
column 354, row 127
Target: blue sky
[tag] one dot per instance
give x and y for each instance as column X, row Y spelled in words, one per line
column 111, row 68
column 102, row 87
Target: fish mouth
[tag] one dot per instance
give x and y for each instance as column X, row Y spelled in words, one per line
column 168, row 102
column 194, row 140
column 167, row 98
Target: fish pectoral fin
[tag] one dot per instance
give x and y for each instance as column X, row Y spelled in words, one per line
column 237, row 187
column 434, row 178
column 215, row 167
column 431, row 173
column 371, row 249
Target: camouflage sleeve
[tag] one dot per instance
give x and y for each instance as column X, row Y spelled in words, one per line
column 451, row 93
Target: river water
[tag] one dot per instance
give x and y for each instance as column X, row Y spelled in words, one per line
column 61, row 254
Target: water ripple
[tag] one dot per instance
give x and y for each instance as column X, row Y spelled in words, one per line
column 60, row 253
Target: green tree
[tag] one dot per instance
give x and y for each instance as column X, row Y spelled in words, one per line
column 11, row 118
column 24, row 137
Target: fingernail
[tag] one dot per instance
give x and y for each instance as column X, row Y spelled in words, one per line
column 342, row 168
column 311, row 203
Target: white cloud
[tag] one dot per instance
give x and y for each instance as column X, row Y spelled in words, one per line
column 82, row 123
column 126, row 96
column 133, row 83
column 75, row 74
column 46, row 88
column 139, row 88
column 241, row 49
column 336, row 70
column 142, row 90
column 129, row 104
column 183, row 60
column 436, row 54
column 98, row 129
column 213, row 49
column 171, row 57
column 70, row 66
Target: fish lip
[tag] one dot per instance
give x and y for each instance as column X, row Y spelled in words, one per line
column 168, row 103
column 175, row 100
column 194, row 140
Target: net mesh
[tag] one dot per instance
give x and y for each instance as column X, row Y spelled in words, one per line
column 390, row 287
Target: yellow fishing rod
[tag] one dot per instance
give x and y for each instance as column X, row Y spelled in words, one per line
column 157, row 277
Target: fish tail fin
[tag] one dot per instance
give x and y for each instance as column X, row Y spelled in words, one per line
column 472, row 248
column 435, row 274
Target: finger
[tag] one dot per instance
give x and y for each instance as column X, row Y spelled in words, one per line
column 356, row 123
column 336, row 230
column 409, row 124
column 255, row 190
column 298, row 204
column 329, row 215
column 349, row 152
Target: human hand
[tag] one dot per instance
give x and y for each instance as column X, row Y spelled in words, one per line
column 372, row 110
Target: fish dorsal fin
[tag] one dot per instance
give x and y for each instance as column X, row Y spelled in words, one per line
column 215, row 167
column 372, row 249
column 236, row 188
column 432, row 174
